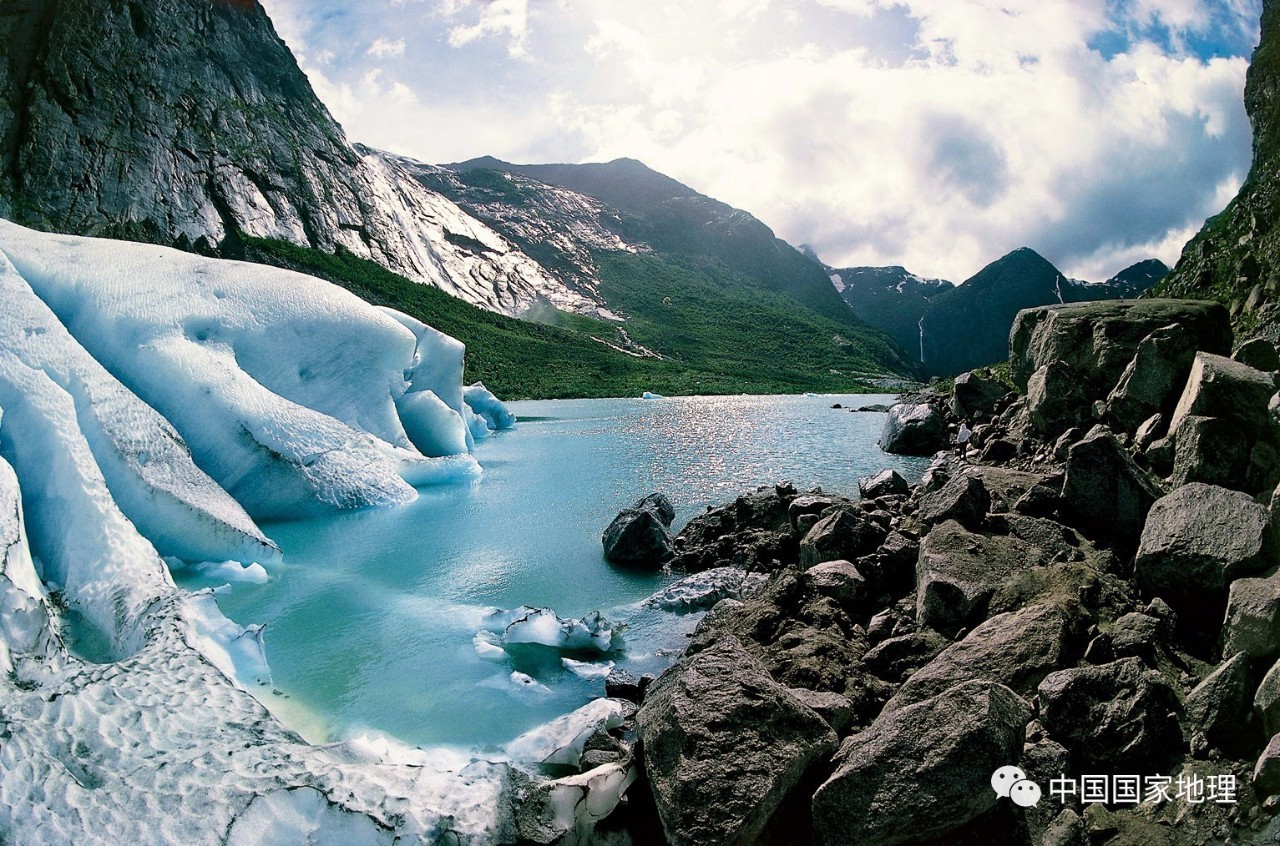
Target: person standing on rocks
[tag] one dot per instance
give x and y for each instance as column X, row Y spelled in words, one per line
column 962, row 439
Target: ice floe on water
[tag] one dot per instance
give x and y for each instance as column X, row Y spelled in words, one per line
column 543, row 627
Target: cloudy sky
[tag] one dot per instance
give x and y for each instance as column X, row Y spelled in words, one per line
column 936, row 134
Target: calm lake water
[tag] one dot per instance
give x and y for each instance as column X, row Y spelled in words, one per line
column 371, row 616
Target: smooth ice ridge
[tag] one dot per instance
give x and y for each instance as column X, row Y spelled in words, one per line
column 150, row 402
column 543, row 627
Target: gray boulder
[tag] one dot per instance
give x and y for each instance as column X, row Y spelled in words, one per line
column 958, row 572
column 839, row 580
column 843, row 534
column 964, row 499
column 921, row 772
column 1017, row 650
column 1196, row 541
column 1252, row 622
column 884, row 483
column 1219, row 451
column 641, row 534
column 1266, row 773
column 1057, row 399
column 1260, row 354
column 1218, row 712
column 975, row 395
column 914, row 429
column 898, row 657
column 724, row 744
column 1153, row 379
column 1099, row 339
column 1117, row 717
column 1266, row 700
column 1148, row 432
column 1228, row 390
column 1105, row 495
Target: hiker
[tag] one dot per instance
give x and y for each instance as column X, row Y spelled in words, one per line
column 962, row 439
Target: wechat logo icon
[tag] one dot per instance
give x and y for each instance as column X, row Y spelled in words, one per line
column 1012, row 783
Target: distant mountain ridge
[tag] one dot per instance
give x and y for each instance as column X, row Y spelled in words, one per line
column 953, row 328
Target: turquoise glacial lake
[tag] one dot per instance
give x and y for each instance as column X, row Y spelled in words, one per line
column 370, row 617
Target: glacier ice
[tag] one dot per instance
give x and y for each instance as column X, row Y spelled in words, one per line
column 563, row 740
column 150, row 402
column 283, row 386
column 487, row 407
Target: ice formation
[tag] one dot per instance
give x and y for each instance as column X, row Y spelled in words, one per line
column 151, row 402
column 488, row 408
column 563, row 740
column 701, row 591
column 543, row 627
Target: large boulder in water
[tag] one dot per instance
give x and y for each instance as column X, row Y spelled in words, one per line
column 1099, row 339
column 641, row 534
column 914, row 429
column 924, row 771
column 724, row 744
column 1105, row 494
column 1196, row 541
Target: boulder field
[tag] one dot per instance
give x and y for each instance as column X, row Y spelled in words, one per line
column 1093, row 592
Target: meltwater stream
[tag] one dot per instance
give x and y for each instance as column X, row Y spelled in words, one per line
column 371, row 615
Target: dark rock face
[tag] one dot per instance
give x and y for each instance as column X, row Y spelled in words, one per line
column 724, row 745
column 959, row 571
column 840, row 535
column 1100, row 339
column 1218, row 452
column 884, row 483
column 963, row 499
column 975, row 395
column 1260, row 354
column 1252, row 623
column 184, row 122
column 1218, row 710
column 1056, row 399
column 1153, row 380
column 940, row 753
column 641, row 534
column 914, row 429
column 1104, row 492
column 1117, row 717
column 1196, row 541
column 1017, row 650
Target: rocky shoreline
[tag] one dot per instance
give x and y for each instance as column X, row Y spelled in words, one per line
column 1093, row 592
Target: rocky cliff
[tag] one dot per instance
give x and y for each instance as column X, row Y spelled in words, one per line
column 185, row 122
column 1235, row 258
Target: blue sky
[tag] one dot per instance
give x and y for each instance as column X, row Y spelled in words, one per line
column 936, row 134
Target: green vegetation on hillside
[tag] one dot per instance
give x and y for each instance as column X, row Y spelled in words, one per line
column 716, row 341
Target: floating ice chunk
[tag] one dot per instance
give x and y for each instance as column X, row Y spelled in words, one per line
column 489, row 646
column 703, row 590
column 490, row 409
column 587, row 669
column 433, row 427
column 526, row 682
column 145, row 463
column 592, row 633
column 562, row 740
column 231, row 571
column 651, row 396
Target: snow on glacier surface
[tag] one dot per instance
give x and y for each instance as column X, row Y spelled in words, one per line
column 285, row 387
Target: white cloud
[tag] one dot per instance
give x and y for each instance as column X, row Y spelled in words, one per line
column 990, row 124
column 385, row 48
